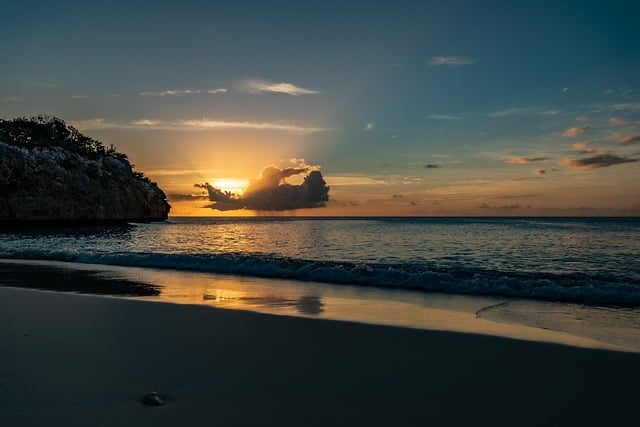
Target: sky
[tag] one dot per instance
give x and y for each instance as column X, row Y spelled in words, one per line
column 431, row 108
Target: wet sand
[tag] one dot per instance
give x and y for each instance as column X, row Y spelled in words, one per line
column 79, row 360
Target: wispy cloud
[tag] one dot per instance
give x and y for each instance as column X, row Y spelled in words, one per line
column 44, row 85
column 183, row 92
column 79, row 97
column 525, row 160
column 511, row 112
column 264, row 86
column 584, row 147
column 617, row 121
column 630, row 106
column 451, row 61
column 575, row 130
column 349, row 180
column 367, row 126
column 444, row 117
column 601, row 160
column 628, row 140
column 13, row 98
column 194, row 125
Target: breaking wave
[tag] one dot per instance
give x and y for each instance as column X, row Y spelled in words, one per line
column 603, row 289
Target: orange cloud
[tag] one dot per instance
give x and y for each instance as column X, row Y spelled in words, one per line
column 628, row 140
column 575, row 130
column 617, row 121
column 525, row 160
column 584, row 147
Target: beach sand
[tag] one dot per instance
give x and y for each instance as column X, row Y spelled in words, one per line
column 76, row 360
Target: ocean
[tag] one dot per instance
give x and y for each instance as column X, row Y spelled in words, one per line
column 588, row 266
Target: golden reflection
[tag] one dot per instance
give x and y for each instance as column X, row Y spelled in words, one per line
column 367, row 305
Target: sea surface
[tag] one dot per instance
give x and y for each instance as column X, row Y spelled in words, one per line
column 590, row 265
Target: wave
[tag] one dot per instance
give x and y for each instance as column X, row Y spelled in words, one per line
column 583, row 288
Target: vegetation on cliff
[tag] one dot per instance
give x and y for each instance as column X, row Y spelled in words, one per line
column 50, row 172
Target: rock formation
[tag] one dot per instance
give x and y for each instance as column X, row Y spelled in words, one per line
column 50, row 173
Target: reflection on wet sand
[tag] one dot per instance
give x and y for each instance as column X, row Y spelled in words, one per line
column 484, row 315
column 307, row 304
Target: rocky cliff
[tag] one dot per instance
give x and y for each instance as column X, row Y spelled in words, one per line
column 50, row 173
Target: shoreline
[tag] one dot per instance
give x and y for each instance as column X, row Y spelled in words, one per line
column 81, row 359
column 530, row 320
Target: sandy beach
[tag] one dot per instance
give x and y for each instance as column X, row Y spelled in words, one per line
column 79, row 360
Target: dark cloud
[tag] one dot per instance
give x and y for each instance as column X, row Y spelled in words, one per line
column 271, row 192
column 601, row 160
column 431, row 166
column 540, row 171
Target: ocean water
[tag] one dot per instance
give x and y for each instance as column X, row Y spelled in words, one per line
column 593, row 261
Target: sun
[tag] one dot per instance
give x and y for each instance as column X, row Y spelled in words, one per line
column 232, row 185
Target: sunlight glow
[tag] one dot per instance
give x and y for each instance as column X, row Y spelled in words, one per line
column 233, row 185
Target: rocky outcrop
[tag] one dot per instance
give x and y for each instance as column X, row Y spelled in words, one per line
column 52, row 184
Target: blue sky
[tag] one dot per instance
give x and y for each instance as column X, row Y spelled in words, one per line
column 408, row 108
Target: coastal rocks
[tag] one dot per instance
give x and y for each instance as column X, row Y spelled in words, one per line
column 55, row 182
column 155, row 399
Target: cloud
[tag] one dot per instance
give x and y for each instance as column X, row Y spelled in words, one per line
column 367, row 127
column 193, row 125
column 584, row 147
column 96, row 124
column 183, row 92
column 444, row 117
column 565, row 89
column 79, row 97
column 617, row 121
column 601, row 160
column 628, row 140
column 271, row 192
column 431, row 166
column 575, row 130
column 540, row 172
column 510, row 112
column 352, row 180
column 630, row 106
column 186, row 197
column 582, row 118
column 525, row 160
column 44, row 85
column 263, row 86
column 13, row 98
column 503, row 207
column 450, row 61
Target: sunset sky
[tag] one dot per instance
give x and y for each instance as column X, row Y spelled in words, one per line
column 406, row 107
